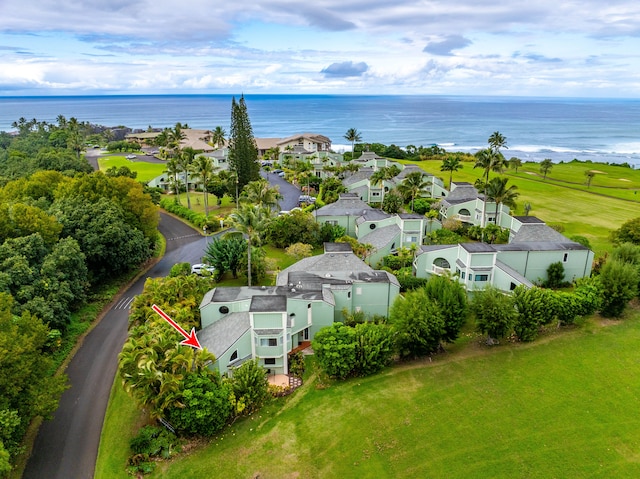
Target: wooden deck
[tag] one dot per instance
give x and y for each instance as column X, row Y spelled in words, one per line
column 303, row 345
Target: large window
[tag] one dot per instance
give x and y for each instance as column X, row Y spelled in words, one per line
column 482, row 277
column 441, row 263
column 269, row 361
column 268, row 341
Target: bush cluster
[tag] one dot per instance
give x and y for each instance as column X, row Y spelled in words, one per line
column 198, row 220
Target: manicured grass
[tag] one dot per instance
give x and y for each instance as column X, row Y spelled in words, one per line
column 197, row 203
column 581, row 211
column 122, row 421
column 563, row 406
column 146, row 171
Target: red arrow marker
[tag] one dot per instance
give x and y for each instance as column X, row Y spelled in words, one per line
column 190, row 339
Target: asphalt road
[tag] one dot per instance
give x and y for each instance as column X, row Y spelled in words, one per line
column 67, row 446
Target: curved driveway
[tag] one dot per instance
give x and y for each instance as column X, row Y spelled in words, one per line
column 67, row 446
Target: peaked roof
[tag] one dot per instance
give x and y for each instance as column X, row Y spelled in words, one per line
column 220, row 336
column 534, row 232
column 348, row 204
column 381, row 237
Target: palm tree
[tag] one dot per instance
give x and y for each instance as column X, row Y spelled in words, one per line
column 185, row 159
column 451, row 163
column 498, row 192
column 173, row 169
column 496, row 141
column 203, row 170
column 250, row 220
column 218, row 138
column 589, row 174
column 384, row 174
column 175, row 136
column 414, row 184
column 545, row 167
column 515, row 163
column 261, row 193
column 353, row 135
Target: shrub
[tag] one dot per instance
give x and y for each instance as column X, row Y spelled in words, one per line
column 250, row 386
column 374, row 348
column 151, row 442
column 409, row 283
column 555, row 275
column 619, row 285
column 451, row 296
column 495, row 313
column 296, row 364
column 335, row 350
column 180, row 269
column 206, row 405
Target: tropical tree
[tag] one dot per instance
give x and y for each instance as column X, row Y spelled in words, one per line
column 353, row 135
column 251, row 221
column 414, row 184
column 545, row 167
column 496, row 141
column 243, row 152
column 619, row 285
column 218, row 137
column 203, row 170
column 515, row 163
column 185, row 160
column 384, row 174
column 175, row 136
column 262, row 193
column 589, row 174
column 498, row 192
column 451, row 163
column 173, row 170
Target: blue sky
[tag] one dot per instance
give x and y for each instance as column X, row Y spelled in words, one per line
column 452, row 47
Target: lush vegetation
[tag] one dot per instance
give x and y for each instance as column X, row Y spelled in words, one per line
column 65, row 235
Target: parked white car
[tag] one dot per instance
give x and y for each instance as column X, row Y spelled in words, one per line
column 202, row 269
column 131, row 157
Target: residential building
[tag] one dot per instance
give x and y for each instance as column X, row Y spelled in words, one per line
column 533, row 246
column 239, row 323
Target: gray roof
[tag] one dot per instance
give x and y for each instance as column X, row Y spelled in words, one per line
column 478, row 247
column 222, row 334
column 538, row 232
column 381, row 237
column 321, row 265
column 373, row 215
column 528, row 219
column 273, row 303
column 243, row 293
column 565, row 245
column 410, row 168
column 348, row 204
column 434, row 247
column 360, row 175
column 337, row 248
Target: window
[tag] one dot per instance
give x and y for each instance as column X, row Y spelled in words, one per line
column 462, row 275
column 482, row 277
column 234, row 356
column 309, row 306
column 268, row 341
column 565, row 257
column 348, row 294
column 306, row 334
column 331, row 222
column 223, row 309
column 512, row 286
column 358, row 291
column 375, row 193
column 372, row 226
column 269, row 361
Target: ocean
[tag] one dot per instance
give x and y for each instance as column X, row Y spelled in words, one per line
column 600, row 130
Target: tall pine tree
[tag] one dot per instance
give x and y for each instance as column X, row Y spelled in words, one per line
column 243, row 151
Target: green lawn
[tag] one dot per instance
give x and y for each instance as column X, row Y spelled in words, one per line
column 564, row 406
column 591, row 212
column 146, row 171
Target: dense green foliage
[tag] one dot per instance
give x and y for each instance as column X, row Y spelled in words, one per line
column 27, row 386
column 226, row 254
column 629, row 232
column 555, row 275
column 418, row 322
column 535, row 307
column 494, row 312
column 294, row 227
column 449, row 294
column 243, row 152
column 249, row 385
column 619, row 285
column 359, row 350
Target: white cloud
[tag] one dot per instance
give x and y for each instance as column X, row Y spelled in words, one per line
column 347, row 46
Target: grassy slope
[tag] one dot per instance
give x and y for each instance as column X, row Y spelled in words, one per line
column 564, row 198
column 560, row 407
column 146, row 171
